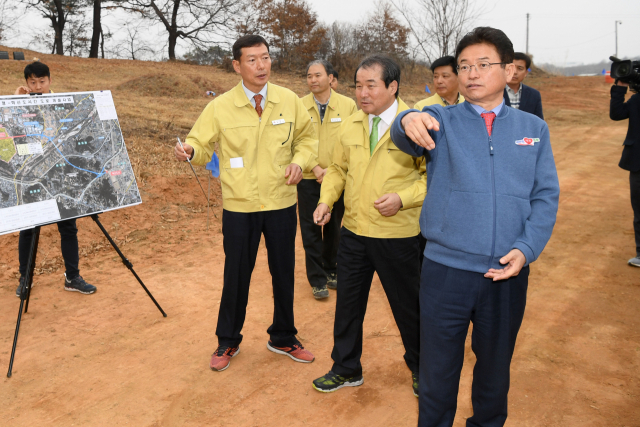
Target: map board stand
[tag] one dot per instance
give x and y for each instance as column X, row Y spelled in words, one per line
column 62, row 156
column 25, row 288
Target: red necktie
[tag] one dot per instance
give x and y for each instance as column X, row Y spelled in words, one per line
column 258, row 99
column 488, row 120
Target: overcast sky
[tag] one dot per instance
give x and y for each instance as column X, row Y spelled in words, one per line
column 561, row 32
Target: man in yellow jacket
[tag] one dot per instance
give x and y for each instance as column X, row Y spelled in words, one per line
column 327, row 110
column 266, row 141
column 445, row 82
column 383, row 192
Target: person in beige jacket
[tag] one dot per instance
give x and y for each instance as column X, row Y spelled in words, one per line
column 383, row 192
column 327, row 109
column 266, row 142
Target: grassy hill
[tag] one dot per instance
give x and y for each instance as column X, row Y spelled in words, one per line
column 156, row 101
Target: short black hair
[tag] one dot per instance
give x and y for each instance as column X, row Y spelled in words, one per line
column 390, row 69
column 328, row 68
column 335, row 74
column 492, row 36
column 445, row 60
column 523, row 57
column 36, row 69
column 250, row 40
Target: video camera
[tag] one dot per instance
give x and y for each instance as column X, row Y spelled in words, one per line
column 626, row 71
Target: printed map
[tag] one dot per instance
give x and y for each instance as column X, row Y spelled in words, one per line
column 61, row 156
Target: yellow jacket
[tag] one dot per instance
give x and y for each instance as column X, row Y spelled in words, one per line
column 340, row 107
column 435, row 99
column 365, row 178
column 261, row 148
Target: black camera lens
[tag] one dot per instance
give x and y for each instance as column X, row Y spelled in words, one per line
column 623, row 69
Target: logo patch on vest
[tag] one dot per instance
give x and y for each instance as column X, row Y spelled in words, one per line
column 527, row 141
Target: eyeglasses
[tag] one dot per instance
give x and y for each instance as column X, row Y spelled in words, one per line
column 481, row 67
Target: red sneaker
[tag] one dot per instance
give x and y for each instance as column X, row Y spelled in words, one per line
column 221, row 358
column 297, row 352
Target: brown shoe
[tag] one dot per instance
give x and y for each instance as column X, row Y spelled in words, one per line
column 297, row 352
column 221, row 358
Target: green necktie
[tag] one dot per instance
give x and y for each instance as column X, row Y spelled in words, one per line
column 373, row 138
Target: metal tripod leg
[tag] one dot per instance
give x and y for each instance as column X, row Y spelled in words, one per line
column 25, row 292
column 126, row 262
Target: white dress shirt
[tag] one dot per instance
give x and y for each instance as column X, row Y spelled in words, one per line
column 386, row 119
column 250, row 95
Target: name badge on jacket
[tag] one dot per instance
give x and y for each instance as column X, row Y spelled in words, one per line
column 236, row 162
column 337, row 119
column 277, row 122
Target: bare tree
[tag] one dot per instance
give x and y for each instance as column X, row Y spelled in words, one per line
column 437, row 25
column 382, row 32
column 132, row 47
column 58, row 12
column 76, row 40
column 199, row 21
column 293, row 30
column 248, row 19
column 6, row 16
column 98, row 35
column 97, row 28
column 103, row 35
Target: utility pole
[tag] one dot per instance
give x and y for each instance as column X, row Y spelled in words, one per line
column 617, row 22
column 527, row 50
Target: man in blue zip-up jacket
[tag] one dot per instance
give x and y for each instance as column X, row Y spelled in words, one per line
column 491, row 204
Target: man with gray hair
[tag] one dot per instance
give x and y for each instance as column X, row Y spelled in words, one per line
column 327, row 110
column 383, row 193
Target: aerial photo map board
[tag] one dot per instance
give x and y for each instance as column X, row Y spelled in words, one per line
column 62, row 156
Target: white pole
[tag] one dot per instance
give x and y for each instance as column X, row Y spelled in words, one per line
column 617, row 22
column 527, row 50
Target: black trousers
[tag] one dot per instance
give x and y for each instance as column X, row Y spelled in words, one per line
column 397, row 262
column 320, row 243
column 449, row 300
column 241, row 237
column 68, row 247
column 634, row 185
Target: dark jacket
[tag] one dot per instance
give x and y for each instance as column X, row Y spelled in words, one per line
column 486, row 194
column 530, row 101
column 620, row 110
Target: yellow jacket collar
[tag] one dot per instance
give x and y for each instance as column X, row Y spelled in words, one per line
column 333, row 100
column 309, row 101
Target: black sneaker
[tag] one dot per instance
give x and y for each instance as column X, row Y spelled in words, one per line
column 78, row 284
column 22, row 279
column 414, row 377
column 332, row 281
column 332, row 382
column 320, row 292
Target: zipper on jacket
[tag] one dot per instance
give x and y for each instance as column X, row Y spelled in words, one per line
column 493, row 195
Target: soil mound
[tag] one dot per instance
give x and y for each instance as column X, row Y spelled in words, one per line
column 539, row 72
column 166, row 85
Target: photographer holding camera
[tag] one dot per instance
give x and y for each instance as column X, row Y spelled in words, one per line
column 627, row 74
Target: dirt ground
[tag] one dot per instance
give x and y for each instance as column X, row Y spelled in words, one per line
column 111, row 359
